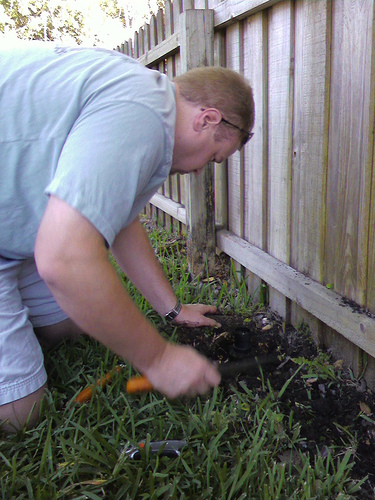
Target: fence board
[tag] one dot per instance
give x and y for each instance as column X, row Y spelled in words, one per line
column 231, row 12
column 348, row 174
column 310, row 144
column 280, row 94
column 255, row 152
column 235, row 164
column 371, row 261
column 221, row 169
column 196, row 27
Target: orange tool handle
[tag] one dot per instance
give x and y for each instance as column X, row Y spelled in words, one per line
column 138, row 384
column 85, row 395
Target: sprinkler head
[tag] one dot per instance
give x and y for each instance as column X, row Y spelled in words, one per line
column 242, row 340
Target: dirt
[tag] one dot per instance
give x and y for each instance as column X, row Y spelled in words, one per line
column 328, row 409
column 332, row 409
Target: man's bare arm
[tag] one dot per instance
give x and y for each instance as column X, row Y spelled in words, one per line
column 71, row 257
column 134, row 254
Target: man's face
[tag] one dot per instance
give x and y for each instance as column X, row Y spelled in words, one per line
column 203, row 152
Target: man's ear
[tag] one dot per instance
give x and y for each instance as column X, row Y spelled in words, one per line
column 207, row 118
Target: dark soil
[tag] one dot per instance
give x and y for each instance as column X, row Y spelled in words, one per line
column 328, row 409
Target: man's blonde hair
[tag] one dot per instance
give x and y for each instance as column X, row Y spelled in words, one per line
column 220, row 88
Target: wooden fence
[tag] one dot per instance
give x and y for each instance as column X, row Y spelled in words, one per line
column 296, row 207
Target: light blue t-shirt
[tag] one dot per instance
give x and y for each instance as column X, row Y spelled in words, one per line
column 91, row 126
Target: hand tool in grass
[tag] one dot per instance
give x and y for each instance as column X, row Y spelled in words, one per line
column 85, row 395
column 249, row 366
column 169, row 448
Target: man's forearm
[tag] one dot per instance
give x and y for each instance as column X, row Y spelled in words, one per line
column 135, row 255
column 73, row 261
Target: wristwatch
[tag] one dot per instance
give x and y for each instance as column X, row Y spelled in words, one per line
column 173, row 313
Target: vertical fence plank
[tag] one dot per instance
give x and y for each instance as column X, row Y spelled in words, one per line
column 255, row 152
column 310, row 145
column 348, row 193
column 130, row 48
column 221, row 171
column 196, row 49
column 280, row 93
column 236, row 201
column 168, row 14
column 160, row 26
column 173, row 184
column 141, row 42
column 153, row 32
column 178, row 181
column 177, row 9
column 136, row 53
column 235, row 163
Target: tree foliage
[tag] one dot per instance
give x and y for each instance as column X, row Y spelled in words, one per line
column 70, row 21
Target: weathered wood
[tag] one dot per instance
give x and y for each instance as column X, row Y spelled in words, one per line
column 310, row 144
column 141, row 42
column 130, row 52
column 324, row 304
column 169, row 206
column 168, row 16
column 201, row 4
column 280, row 106
column 173, row 185
column 136, row 53
column 196, row 28
column 350, row 150
column 153, row 32
column 160, row 26
column 221, row 170
column 161, row 51
column 256, row 152
column 230, row 12
column 370, row 299
column 188, row 4
column 234, row 61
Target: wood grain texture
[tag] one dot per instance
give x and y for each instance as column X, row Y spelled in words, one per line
column 280, row 113
column 315, row 298
column 235, row 162
column 310, row 145
column 349, row 161
column 196, row 28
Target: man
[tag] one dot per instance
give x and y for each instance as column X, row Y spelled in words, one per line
column 86, row 138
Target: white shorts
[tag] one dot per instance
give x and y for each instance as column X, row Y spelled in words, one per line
column 25, row 303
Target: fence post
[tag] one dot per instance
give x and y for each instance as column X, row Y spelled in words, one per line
column 196, row 49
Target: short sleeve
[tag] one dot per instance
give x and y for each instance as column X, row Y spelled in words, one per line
column 114, row 159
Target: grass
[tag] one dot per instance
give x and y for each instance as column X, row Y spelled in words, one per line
column 239, row 446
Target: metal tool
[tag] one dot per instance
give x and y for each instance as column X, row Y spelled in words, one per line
column 169, row 448
column 250, row 366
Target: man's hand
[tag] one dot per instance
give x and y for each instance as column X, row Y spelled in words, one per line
column 194, row 315
column 182, row 371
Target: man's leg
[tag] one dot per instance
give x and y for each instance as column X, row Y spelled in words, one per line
column 51, row 335
column 22, row 374
column 27, row 308
column 24, row 411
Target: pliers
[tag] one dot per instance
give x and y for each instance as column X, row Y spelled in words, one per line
column 168, row 448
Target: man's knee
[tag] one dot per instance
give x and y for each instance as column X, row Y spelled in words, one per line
column 51, row 335
column 22, row 412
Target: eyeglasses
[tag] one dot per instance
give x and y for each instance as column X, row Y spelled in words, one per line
column 249, row 135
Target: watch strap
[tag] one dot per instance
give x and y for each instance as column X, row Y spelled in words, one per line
column 173, row 313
